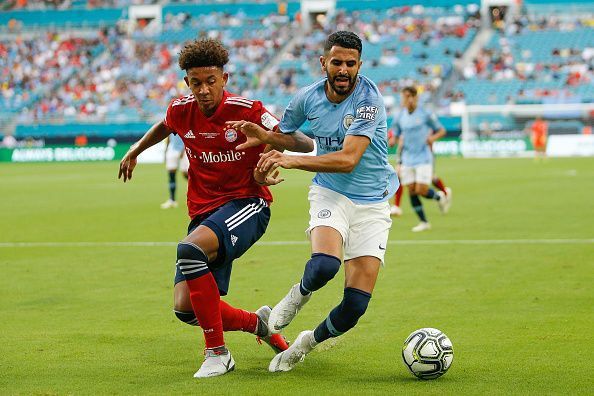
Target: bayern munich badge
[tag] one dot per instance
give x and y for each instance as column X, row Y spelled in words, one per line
column 231, row 135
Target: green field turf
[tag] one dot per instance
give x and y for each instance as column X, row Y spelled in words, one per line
column 509, row 277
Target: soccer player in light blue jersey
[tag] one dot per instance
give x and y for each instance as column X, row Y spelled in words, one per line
column 349, row 209
column 175, row 158
column 417, row 129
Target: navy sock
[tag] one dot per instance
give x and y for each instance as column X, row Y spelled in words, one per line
column 345, row 316
column 418, row 207
column 172, row 186
column 431, row 194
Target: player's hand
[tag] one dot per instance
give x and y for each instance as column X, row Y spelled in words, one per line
column 392, row 141
column 255, row 134
column 273, row 159
column 270, row 178
column 127, row 166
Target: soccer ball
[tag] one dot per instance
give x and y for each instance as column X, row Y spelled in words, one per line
column 427, row 353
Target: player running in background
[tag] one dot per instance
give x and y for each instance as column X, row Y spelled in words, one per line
column 539, row 131
column 175, row 158
column 418, row 129
column 395, row 209
column 349, row 209
column 228, row 200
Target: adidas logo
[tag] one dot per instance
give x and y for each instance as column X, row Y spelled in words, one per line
column 190, row 135
column 233, row 239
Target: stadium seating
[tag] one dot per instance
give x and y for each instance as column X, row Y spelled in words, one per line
column 537, row 58
column 94, row 70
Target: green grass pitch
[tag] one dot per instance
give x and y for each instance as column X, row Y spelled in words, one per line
column 508, row 275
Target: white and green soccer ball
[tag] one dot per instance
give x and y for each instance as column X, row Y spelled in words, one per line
column 428, row 353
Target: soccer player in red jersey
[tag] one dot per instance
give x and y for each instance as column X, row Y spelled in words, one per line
column 228, row 199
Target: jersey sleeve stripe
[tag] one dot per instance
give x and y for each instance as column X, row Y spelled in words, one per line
column 249, row 106
column 240, row 99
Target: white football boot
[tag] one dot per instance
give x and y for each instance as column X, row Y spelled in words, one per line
column 443, row 203
column 283, row 313
column 422, row 226
column 215, row 364
column 169, row 204
column 449, row 196
column 395, row 210
column 287, row 360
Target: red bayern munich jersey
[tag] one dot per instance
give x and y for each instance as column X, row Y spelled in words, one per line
column 218, row 172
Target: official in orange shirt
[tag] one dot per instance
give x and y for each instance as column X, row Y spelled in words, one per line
column 539, row 131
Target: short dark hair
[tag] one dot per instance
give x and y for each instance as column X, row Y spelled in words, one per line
column 411, row 90
column 343, row 39
column 203, row 53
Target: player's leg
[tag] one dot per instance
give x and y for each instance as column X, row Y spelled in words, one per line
column 423, row 179
column 360, row 277
column 439, row 184
column 184, row 165
column 417, row 205
column 319, row 270
column 234, row 319
column 364, row 252
column 361, row 274
column 236, row 226
column 171, row 165
column 541, row 147
column 193, row 255
column 437, row 181
column 395, row 209
column 327, row 229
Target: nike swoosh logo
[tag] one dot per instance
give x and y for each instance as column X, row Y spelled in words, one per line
column 382, row 248
column 312, row 118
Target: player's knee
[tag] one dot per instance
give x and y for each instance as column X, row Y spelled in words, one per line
column 319, row 270
column 192, row 262
column 187, row 317
column 353, row 306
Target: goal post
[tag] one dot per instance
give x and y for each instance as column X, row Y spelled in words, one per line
column 504, row 130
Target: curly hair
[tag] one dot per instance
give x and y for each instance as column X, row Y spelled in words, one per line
column 203, row 53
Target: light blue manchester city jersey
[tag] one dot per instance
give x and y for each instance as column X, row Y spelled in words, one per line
column 362, row 114
column 416, row 127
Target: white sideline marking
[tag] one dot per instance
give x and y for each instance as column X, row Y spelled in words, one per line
column 584, row 241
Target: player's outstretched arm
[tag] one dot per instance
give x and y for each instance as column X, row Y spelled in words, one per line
column 154, row 135
column 343, row 161
column 256, row 135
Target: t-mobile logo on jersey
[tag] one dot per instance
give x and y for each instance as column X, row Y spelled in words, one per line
column 227, row 156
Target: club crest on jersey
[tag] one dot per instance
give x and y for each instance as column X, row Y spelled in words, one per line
column 231, row 135
column 347, row 121
column 324, row 214
column 367, row 112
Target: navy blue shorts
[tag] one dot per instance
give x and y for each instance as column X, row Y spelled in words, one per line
column 238, row 224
